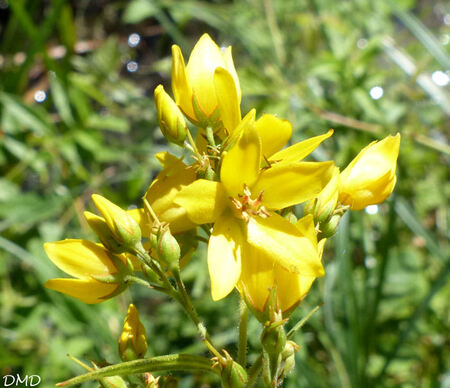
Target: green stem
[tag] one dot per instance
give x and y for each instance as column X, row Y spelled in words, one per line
column 142, row 282
column 242, row 344
column 186, row 302
column 192, row 143
column 210, row 136
column 253, row 372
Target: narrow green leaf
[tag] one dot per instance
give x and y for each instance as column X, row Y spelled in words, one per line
column 171, row 362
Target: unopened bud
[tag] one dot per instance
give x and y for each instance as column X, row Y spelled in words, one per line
column 101, row 229
column 132, row 341
column 232, row 374
column 288, row 358
column 123, row 227
column 171, row 120
column 329, row 228
column 323, row 206
column 164, row 246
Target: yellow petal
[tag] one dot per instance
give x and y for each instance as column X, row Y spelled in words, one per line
column 307, row 228
column 260, row 274
column 300, row 150
column 88, row 291
column 289, row 184
column 142, row 220
column 227, row 97
column 257, row 277
column 224, row 256
column 80, row 258
column 274, row 133
column 229, row 65
column 205, row 58
column 241, row 163
column 182, row 91
column 291, row 288
column 370, row 178
column 162, row 192
column 204, row 201
column 283, row 242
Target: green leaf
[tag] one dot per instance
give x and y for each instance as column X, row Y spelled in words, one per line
column 109, row 122
column 61, row 100
column 139, row 10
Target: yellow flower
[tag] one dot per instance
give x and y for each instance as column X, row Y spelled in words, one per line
column 260, row 274
column 242, row 207
column 132, row 341
column 171, row 120
column 98, row 273
column 370, row 177
column 161, row 194
column 207, row 89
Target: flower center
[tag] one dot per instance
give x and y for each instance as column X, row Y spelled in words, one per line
column 244, row 206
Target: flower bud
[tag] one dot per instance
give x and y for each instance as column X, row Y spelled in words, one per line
column 370, row 178
column 323, row 205
column 207, row 89
column 132, row 341
column 123, row 227
column 288, row 358
column 329, row 228
column 100, row 228
column 164, row 246
column 232, row 374
column 171, row 120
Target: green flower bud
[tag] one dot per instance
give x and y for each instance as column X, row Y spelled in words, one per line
column 329, row 228
column 171, row 120
column 164, row 246
column 288, row 358
column 232, row 374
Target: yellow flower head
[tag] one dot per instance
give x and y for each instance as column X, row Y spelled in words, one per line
column 98, row 274
column 370, row 177
column 171, row 120
column 207, row 89
column 242, row 206
column 132, row 341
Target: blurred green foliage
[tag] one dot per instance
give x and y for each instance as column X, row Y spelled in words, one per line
column 77, row 117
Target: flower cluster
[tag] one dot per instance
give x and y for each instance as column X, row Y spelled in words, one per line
column 238, row 192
